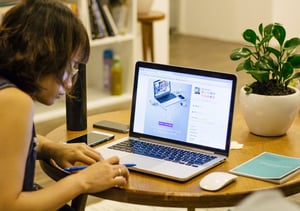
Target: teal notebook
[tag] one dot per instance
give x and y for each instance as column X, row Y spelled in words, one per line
column 269, row 167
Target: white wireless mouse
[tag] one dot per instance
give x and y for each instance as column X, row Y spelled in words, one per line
column 216, row 180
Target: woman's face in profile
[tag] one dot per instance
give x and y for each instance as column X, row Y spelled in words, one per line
column 52, row 88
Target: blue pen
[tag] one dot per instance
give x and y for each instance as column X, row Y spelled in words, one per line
column 77, row 168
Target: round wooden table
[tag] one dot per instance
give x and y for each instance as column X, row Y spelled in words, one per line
column 150, row 190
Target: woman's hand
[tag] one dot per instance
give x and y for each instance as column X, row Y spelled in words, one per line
column 103, row 175
column 67, row 155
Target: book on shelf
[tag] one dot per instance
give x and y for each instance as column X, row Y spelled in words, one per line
column 269, row 167
column 119, row 10
column 95, row 33
column 110, row 20
column 109, row 28
column 98, row 25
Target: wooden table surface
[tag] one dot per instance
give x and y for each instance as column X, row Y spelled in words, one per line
column 151, row 190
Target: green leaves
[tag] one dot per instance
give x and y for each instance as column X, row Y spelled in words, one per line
column 260, row 75
column 250, row 36
column 295, row 60
column 279, row 33
column 292, row 43
column 287, row 70
column 265, row 62
column 240, row 53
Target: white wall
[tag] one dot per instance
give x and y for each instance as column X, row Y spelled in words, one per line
column 226, row 20
column 287, row 13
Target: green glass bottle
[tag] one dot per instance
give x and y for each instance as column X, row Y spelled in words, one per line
column 116, row 77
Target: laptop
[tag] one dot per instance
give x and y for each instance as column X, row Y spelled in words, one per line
column 163, row 94
column 189, row 137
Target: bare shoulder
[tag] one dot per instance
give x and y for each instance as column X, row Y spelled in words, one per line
column 14, row 94
column 14, row 99
column 16, row 111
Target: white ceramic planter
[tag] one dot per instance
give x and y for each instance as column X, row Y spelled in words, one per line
column 269, row 115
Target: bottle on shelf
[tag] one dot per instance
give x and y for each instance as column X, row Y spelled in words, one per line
column 76, row 110
column 107, row 64
column 116, row 77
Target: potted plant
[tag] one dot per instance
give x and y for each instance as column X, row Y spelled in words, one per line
column 273, row 68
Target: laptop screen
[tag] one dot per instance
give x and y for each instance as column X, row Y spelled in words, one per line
column 197, row 110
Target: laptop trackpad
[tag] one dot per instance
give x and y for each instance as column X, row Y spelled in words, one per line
column 141, row 161
column 160, row 167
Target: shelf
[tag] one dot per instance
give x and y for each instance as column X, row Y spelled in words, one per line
column 96, row 100
column 112, row 40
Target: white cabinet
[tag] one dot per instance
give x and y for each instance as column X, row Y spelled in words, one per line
column 97, row 98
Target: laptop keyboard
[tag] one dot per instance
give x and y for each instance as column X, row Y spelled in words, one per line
column 177, row 155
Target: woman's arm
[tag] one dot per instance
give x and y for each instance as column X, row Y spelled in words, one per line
column 16, row 111
column 16, row 122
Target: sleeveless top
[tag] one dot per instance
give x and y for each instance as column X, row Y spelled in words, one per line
column 28, row 182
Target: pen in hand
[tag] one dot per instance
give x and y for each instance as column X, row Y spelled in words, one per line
column 77, row 168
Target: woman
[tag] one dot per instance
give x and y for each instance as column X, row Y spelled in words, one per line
column 41, row 44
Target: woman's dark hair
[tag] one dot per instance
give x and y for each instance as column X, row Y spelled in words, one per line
column 37, row 38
